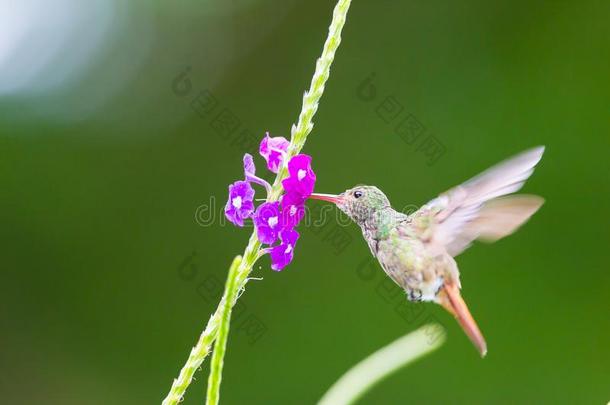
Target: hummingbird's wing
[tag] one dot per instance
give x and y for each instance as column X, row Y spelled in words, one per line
column 473, row 210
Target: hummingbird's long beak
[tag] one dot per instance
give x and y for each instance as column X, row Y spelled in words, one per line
column 451, row 300
column 333, row 198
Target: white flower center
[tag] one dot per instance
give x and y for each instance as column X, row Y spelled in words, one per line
column 236, row 202
column 293, row 210
column 288, row 249
column 301, row 174
column 272, row 221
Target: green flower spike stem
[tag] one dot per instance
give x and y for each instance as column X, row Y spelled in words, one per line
column 385, row 361
column 223, row 334
column 252, row 252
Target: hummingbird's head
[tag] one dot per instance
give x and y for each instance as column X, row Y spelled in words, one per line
column 359, row 203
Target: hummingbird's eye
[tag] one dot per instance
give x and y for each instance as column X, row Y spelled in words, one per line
column 357, row 194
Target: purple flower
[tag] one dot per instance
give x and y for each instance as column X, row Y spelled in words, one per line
column 273, row 150
column 249, row 168
column 267, row 222
column 275, row 219
column 240, row 205
column 250, row 173
column 301, row 179
column 293, row 209
column 281, row 255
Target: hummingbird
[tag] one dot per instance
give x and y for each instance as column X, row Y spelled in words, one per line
column 417, row 250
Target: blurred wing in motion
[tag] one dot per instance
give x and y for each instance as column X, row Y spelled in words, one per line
column 473, row 210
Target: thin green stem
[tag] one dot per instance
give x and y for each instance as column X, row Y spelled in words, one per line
column 223, row 334
column 198, row 353
column 299, row 134
column 381, row 364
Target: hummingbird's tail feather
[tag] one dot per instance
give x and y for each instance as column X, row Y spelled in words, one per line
column 450, row 298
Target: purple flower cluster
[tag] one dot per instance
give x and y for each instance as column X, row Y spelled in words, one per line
column 273, row 220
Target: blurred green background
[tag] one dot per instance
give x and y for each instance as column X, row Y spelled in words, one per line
column 108, row 279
